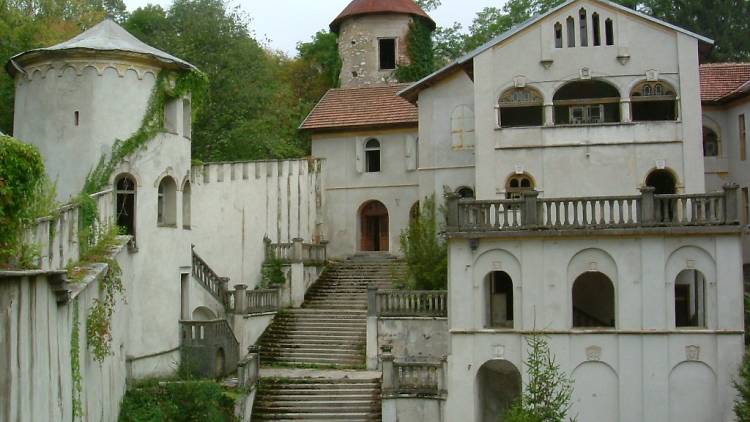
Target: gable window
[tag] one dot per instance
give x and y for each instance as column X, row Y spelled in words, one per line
column 609, row 32
column 690, row 299
column 521, row 107
column 372, row 156
column 710, row 142
column 462, row 127
column 653, row 101
column 500, row 300
column 571, row 24
column 387, row 53
column 584, row 28
column 517, row 185
column 125, row 191
column 596, row 28
column 167, row 203
column 586, row 102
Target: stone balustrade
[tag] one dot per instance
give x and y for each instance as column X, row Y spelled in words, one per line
column 248, row 369
column 210, row 348
column 210, row 281
column 639, row 211
column 297, row 251
column 407, row 303
column 412, row 379
column 243, row 301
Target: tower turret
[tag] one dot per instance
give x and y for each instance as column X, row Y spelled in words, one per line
column 372, row 39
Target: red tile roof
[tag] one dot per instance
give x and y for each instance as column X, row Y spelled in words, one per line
column 352, row 108
column 369, row 7
column 722, row 82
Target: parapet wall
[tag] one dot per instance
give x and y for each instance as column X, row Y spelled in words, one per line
column 236, row 205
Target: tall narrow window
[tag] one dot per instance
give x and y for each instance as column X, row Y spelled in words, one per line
column 187, row 119
column 387, row 53
column 745, row 206
column 125, row 191
column 186, row 193
column 571, row 24
column 690, row 299
column 558, row 35
column 167, row 203
column 462, row 127
column 584, row 26
column 710, row 143
column 609, row 32
column 743, row 137
column 500, row 300
column 372, row 156
column 596, row 29
column 521, row 107
column 76, row 118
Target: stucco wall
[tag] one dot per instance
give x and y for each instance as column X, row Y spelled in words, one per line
column 412, row 410
column 236, row 204
column 414, row 339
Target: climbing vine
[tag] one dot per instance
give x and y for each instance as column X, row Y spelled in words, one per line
column 421, row 53
column 75, row 363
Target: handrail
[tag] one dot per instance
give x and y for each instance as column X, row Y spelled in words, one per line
column 422, row 379
column 208, row 279
column 407, row 303
column 296, row 251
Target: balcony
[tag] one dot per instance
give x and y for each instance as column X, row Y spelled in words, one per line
column 644, row 211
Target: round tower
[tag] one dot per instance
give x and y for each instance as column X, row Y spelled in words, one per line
column 74, row 99
column 372, row 39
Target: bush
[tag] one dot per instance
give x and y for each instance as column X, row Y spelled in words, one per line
column 742, row 403
column 178, row 402
column 425, row 251
column 272, row 274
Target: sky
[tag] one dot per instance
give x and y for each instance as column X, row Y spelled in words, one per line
column 284, row 23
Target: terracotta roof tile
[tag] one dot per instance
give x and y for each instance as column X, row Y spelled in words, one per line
column 348, row 108
column 723, row 81
column 369, row 7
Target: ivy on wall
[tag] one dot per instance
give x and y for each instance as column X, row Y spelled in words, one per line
column 421, row 53
column 75, row 363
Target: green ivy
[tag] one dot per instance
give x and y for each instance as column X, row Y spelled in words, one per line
column 75, row 363
column 421, row 53
column 272, row 273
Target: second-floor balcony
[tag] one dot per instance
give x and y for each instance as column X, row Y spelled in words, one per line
column 647, row 210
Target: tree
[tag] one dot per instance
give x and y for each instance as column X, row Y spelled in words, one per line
column 426, row 253
column 547, row 395
column 421, row 53
column 742, row 403
column 428, row 5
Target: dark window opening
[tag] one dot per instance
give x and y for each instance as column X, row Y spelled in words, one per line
column 125, row 191
column 76, row 119
column 558, row 35
column 595, row 26
column 186, row 205
column 653, row 101
column 167, row 203
column 571, row 23
column 690, row 299
column 583, row 23
column 587, row 102
column 387, row 51
column 609, row 31
column 465, row 193
column 501, row 300
column 521, row 107
column 593, row 301
column 372, row 156
column 662, row 181
column 517, row 185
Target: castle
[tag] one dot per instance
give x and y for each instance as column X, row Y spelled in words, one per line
column 595, row 186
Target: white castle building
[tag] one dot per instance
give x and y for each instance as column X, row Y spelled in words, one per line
column 595, row 185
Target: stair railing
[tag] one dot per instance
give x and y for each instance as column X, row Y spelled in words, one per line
column 407, row 303
column 217, row 286
column 412, row 379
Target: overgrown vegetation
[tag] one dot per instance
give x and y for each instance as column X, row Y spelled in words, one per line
column 421, row 53
column 742, row 385
column 75, row 362
column 186, row 401
column 425, row 250
column 547, row 395
column 272, row 273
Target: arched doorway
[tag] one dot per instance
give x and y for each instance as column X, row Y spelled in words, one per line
column 500, row 303
column 498, row 386
column 373, row 219
column 663, row 181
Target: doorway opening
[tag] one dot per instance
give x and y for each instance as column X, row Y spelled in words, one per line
column 373, row 218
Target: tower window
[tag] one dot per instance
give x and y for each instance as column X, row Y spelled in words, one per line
column 76, row 118
column 584, row 28
column 387, row 52
column 372, row 156
column 596, row 28
column 167, row 203
column 609, row 30
column 125, row 192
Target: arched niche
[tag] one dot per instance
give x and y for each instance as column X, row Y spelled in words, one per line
column 692, row 393
column 497, row 261
column 596, row 393
column 691, row 258
column 498, row 386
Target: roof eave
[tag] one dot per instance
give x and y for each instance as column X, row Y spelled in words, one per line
column 368, row 126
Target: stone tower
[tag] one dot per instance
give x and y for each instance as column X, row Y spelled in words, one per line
column 372, row 39
column 74, row 99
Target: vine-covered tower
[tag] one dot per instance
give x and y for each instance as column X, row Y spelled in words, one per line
column 372, row 38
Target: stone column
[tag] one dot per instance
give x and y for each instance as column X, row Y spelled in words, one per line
column 549, row 114
column 648, row 209
column 530, row 216
column 731, row 204
column 451, row 205
column 240, row 299
column 372, row 328
column 390, row 383
column 625, row 116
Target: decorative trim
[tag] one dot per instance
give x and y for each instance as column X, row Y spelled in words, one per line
column 79, row 66
column 594, row 354
column 692, row 353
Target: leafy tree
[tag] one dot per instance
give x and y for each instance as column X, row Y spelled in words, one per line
column 421, row 53
column 547, row 395
column 742, row 403
column 426, row 253
column 428, row 5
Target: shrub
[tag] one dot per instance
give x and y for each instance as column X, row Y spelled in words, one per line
column 425, row 251
column 742, row 403
column 272, row 273
column 192, row 401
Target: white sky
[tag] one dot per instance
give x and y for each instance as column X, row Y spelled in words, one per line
column 286, row 22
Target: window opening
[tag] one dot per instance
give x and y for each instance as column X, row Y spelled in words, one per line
column 125, row 191
column 166, row 203
column 501, row 300
column 743, row 137
column 521, row 107
column 462, row 127
column 593, row 301
column 587, row 102
column 465, row 192
column 558, row 35
column 595, row 26
column 76, row 119
column 662, row 181
column 745, row 206
column 571, row 23
column 609, row 31
column 584, row 28
column 690, row 299
column 653, row 101
column 710, row 142
column 186, row 194
column 372, row 156
column 387, row 51
column 517, row 185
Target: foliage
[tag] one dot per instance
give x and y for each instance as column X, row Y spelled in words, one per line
column 421, row 53
column 548, row 393
column 428, row 5
column 426, row 253
column 272, row 273
column 75, row 363
column 21, row 174
column 190, row 401
column 742, row 403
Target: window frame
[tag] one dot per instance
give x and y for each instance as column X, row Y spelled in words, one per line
column 654, row 91
column 507, row 100
column 380, row 53
column 516, row 192
column 372, row 150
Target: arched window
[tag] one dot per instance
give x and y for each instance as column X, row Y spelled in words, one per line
column 596, row 29
column 125, row 195
column 186, row 193
column 500, row 306
column 711, row 146
column 584, row 28
column 662, row 181
column 558, row 35
column 690, row 299
column 167, row 203
column 609, row 32
column 462, row 127
column 571, row 24
column 521, row 107
column 187, row 119
column 593, row 301
column 652, row 101
column 587, row 102
column 517, row 185
column 465, row 192
column 372, row 156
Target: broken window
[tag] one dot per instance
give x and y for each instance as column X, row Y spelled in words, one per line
column 462, row 127
column 587, row 102
column 690, row 299
column 710, row 142
column 372, row 156
column 167, row 203
column 125, row 194
column 186, row 193
column 593, row 301
column 517, row 185
column 500, row 300
column 596, row 29
column 571, row 24
column 609, row 32
column 583, row 27
column 653, row 101
column 521, row 107
column 558, row 35
column 387, row 52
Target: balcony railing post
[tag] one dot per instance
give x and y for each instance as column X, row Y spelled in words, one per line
column 451, row 205
column 267, row 245
column 389, row 377
column 297, row 250
column 240, row 298
column 442, row 373
column 372, row 300
column 530, row 209
column 648, row 206
column 731, row 204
